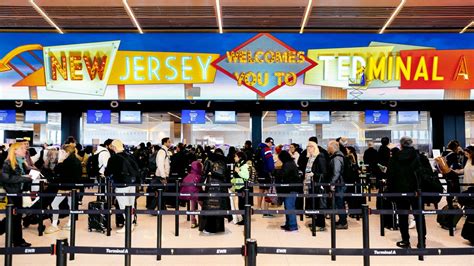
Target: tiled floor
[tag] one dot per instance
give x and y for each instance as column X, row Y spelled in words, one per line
column 267, row 233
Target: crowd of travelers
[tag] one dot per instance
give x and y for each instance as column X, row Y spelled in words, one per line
column 398, row 168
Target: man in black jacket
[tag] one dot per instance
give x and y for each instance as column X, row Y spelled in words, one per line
column 383, row 157
column 402, row 174
column 123, row 170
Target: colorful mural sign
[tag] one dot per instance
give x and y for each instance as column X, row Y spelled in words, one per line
column 273, row 66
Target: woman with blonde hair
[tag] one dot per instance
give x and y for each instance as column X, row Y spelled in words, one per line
column 13, row 179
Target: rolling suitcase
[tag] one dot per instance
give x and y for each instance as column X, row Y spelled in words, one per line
column 97, row 222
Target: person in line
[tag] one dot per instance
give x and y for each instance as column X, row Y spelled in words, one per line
column 104, row 156
column 316, row 171
column 248, row 150
column 342, row 145
column 264, row 166
column 370, row 157
column 123, row 169
column 294, row 153
column 288, row 175
column 13, row 179
column 241, row 175
column 69, row 172
column 456, row 166
column 163, row 169
column 336, row 168
column 402, row 178
column 194, row 176
column 383, row 155
column 215, row 171
column 469, row 167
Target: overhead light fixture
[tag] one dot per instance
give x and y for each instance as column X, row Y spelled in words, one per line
column 177, row 116
column 132, row 16
column 392, row 17
column 45, row 16
column 465, row 28
column 306, row 15
column 219, row 16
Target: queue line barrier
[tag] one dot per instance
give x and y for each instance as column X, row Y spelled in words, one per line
column 250, row 249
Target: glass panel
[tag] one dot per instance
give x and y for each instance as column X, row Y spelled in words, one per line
column 220, row 134
column 287, row 133
column 469, row 128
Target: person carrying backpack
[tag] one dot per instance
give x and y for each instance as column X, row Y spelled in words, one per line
column 336, row 171
column 123, row 169
column 264, row 165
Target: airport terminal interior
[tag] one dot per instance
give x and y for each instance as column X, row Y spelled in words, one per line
column 228, row 127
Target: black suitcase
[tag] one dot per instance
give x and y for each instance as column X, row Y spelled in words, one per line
column 448, row 220
column 390, row 220
column 97, row 222
column 468, row 229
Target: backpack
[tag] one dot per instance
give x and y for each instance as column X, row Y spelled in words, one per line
column 152, row 162
column 93, row 166
column 258, row 160
column 253, row 177
column 218, row 169
column 130, row 169
column 350, row 173
column 428, row 181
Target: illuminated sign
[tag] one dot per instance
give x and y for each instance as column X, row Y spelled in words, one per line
column 162, row 68
column 86, row 68
column 264, row 64
column 391, row 65
column 79, row 68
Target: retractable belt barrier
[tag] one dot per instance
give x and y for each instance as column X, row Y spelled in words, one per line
column 250, row 249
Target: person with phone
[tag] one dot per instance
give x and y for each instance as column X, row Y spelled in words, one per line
column 14, row 180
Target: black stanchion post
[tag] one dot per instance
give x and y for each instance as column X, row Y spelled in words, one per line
column 176, row 216
column 128, row 234
column 251, row 252
column 40, row 222
column 419, row 223
column 8, row 234
column 313, row 216
column 159, row 224
column 188, row 208
column 61, row 256
column 382, row 221
column 365, row 233
column 333, row 224
column 109, row 205
column 72, row 233
column 246, row 193
column 247, row 222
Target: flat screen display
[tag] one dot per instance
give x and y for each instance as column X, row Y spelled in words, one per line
column 319, row 117
column 408, row 117
column 36, row 117
column 130, row 117
column 225, row 117
column 98, row 117
column 288, row 117
column 7, row 116
column 193, row 116
column 377, row 117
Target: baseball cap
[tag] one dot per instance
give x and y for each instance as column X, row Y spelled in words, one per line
column 270, row 140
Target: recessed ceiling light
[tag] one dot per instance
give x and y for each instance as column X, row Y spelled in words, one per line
column 306, row 15
column 132, row 16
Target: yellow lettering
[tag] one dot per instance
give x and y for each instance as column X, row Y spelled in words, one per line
column 75, row 65
column 376, row 70
column 401, row 67
column 390, row 67
column 421, row 69
column 301, row 57
column 279, row 75
column 435, row 76
column 258, row 57
column 290, row 79
column 57, row 66
column 239, row 77
column 232, row 57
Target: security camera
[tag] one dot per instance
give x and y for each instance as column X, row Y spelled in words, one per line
column 304, row 104
column 114, row 104
column 19, row 104
column 393, row 104
column 192, row 102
